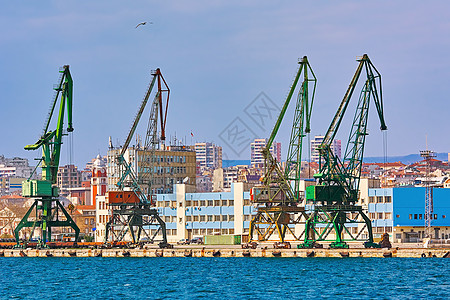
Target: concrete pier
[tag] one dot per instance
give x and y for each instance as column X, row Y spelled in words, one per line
column 221, row 251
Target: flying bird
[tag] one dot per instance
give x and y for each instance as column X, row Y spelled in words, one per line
column 142, row 23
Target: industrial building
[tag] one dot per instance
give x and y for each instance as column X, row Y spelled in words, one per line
column 189, row 215
column 400, row 212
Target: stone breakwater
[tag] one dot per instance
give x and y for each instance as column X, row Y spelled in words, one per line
column 230, row 252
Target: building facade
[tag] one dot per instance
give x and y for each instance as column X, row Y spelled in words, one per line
column 400, row 212
column 208, row 156
column 317, row 141
column 170, row 167
column 256, row 155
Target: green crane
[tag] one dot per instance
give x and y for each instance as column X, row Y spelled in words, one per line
column 46, row 203
column 334, row 199
column 279, row 195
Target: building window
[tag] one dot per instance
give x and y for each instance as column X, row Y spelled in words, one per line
column 202, row 218
column 380, row 215
column 210, row 218
column 174, row 232
column 167, row 203
column 195, row 203
column 246, row 202
column 188, row 203
column 224, row 202
column 420, row 216
column 388, row 229
column 379, row 199
column 415, row 216
column 86, row 221
column 371, row 199
column 388, row 215
column 231, row 218
column 387, row 199
column 435, row 216
column 188, row 218
column 231, row 231
column 202, row 203
column 217, row 218
column 210, row 202
column 410, row 216
column 398, row 236
column 231, row 203
column 196, row 218
column 216, row 202
column 372, row 216
column 224, row 218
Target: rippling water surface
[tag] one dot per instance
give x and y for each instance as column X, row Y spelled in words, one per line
column 225, row 278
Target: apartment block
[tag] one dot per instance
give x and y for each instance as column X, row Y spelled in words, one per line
column 317, row 141
column 208, row 156
column 256, row 156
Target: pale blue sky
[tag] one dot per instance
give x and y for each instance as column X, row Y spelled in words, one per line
column 217, row 56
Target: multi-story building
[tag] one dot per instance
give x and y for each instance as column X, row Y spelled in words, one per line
column 12, row 172
column 317, row 141
column 68, row 177
column 170, row 167
column 189, row 215
column 256, row 156
column 208, row 156
column 400, row 212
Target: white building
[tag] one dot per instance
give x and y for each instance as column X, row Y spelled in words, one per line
column 317, row 141
column 208, row 156
column 256, row 156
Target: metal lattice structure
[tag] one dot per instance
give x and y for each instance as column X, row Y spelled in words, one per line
column 334, row 199
column 428, row 216
column 133, row 205
column 49, row 212
column 278, row 199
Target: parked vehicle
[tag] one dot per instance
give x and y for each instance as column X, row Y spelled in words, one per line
column 197, row 240
column 251, row 245
column 183, row 242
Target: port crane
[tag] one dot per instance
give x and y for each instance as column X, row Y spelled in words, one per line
column 279, row 196
column 45, row 193
column 133, row 202
column 334, row 198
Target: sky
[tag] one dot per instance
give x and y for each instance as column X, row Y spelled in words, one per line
column 221, row 60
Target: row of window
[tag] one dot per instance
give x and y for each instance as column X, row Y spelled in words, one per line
column 380, row 199
column 164, row 158
column 419, row 216
column 197, row 203
column 380, row 216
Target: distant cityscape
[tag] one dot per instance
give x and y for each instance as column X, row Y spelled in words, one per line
column 215, row 192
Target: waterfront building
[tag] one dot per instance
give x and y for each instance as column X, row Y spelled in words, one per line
column 400, row 212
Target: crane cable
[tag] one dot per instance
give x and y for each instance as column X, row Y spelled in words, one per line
column 385, row 154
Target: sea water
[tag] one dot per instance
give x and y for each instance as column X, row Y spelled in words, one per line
column 225, row 278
